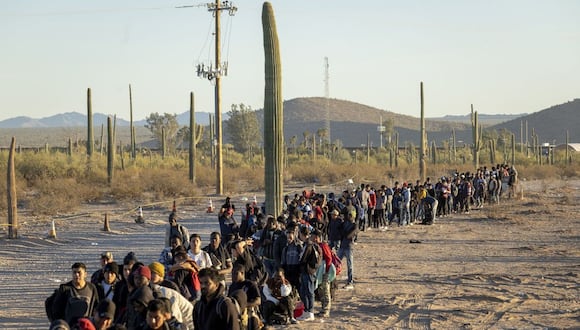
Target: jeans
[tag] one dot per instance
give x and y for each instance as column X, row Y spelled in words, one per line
column 346, row 251
column 405, row 215
column 334, row 245
column 307, row 290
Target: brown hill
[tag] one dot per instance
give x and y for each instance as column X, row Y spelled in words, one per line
column 351, row 122
column 550, row 124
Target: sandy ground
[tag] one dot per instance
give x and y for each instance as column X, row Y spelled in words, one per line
column 515, row 266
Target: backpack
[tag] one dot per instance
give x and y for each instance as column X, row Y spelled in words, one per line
column 242, row 314
column 258, row 273
column 337, row 263
column 48, row 306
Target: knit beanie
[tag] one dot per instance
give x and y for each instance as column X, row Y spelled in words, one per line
column 157, row 268
column 144, row 271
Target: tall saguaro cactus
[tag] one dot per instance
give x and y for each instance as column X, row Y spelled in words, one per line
column 476, row 132
column 110, row 150
column 513, row 143
column 492, row 151
column 163, row 145
column 11, row 193
column 131, row 127
column 423, row 147
column 195, row 134
column 453, row 146
column 273, row 114
column 433, row 153
column 211, row 139
column 567, row 161
column 90, row 138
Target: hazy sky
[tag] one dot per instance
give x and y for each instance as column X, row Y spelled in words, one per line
column 504, row 56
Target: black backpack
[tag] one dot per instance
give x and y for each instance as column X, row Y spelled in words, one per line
column 48, row 306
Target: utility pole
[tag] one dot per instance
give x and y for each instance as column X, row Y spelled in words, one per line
column 214, row 74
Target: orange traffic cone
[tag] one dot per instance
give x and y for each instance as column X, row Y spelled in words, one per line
column 210, row 207
column 255, row 200
column 52, row 231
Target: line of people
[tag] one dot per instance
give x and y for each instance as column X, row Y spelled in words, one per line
column 274, row 263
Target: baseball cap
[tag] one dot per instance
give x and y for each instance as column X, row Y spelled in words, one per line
column 106, row 309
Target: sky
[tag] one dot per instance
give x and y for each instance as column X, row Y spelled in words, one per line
column 504, row 57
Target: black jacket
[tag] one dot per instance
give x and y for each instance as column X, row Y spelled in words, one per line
column 216, row 312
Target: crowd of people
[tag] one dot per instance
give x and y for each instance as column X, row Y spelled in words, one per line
column 258, row 269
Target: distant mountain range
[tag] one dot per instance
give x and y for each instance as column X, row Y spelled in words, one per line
column 350, row 123
column 76, row 119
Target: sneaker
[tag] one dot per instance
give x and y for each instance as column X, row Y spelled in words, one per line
column 349, row 286
column 306, row 316
column 293, row 321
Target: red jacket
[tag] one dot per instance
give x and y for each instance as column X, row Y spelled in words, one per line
column 326, row 254
column 372, row 200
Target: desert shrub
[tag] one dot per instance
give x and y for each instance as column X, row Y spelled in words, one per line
column 244, row 179
column 62, row 195
column 128, row 185
column 535, row 171
column 164, row 183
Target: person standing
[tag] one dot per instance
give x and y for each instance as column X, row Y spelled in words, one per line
column 267, row 242
column 325, row 268
column 175, row 229
column 196, row 254
column 309, row 262
column 335, row 229
column 349, row 231
column 98, row 276
column 77, row 298
column 213, row 311
column 106, row 287
column 221, row 258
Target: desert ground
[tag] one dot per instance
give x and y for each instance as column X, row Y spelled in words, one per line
column 514, row 266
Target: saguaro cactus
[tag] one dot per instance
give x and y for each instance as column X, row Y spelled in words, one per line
column 273, row 114
column 433, row 152
column 476, row 133
column 195, row 134
column 513, row 142
column 69, row 148
column 453, row 145
column 11, row 193
column 110, row 150
column 396, row 147
column 567, row 151
column 492, row 151
column 423, row 147
column 90, row 139
column 211, row 139
column 163, row 145
column 131, row 127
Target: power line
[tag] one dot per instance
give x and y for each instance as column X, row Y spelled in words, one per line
column 86, row 12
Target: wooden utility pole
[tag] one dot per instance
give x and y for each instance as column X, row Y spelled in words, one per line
column 214, row 74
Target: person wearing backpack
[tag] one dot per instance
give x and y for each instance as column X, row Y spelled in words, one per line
column 213, row 310
column 250, row 315
column 326, row 271
column 309, row 262
column 175, row 229
column 75, row 299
